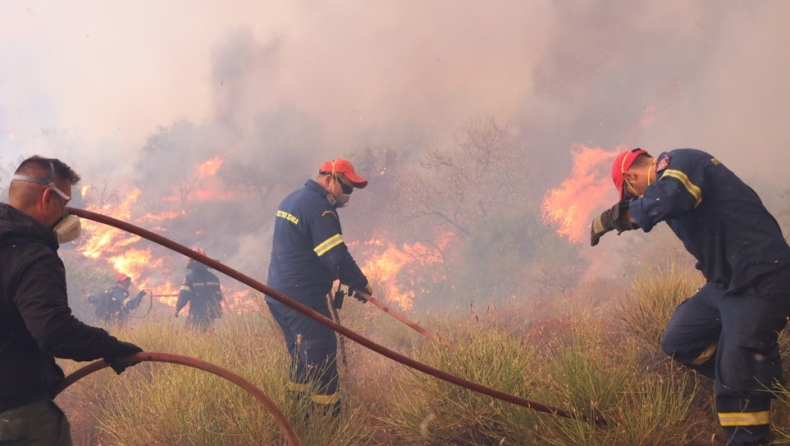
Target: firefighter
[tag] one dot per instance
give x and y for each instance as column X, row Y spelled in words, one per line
column 202, row 291
column 308, row 255
column 727, row 330
column 114, row 304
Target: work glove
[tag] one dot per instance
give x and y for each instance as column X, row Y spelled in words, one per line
column 139, row 295
column 361, row 298
column 177, row 314
column 123, row 350
column 609, row 220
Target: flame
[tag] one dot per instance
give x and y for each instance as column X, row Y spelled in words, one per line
column 114, row 245
column 166, row 293
column 131, row 255
column 385, row 267
column 238, row 301
column 202, row 186
column 571, row 206
column 132, row 261
column 161, row 216
column 210, row 167
column 106, row 238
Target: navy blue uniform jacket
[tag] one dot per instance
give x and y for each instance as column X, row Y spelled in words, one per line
column 308, row 252
column 720, row 219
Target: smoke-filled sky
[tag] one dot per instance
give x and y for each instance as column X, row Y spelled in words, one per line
column 276, row 88
column 89, row 81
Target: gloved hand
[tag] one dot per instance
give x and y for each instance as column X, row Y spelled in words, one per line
column 123, row 350
column 610, row 220
column 139, row 295
column 177, row 314
column 361, row 298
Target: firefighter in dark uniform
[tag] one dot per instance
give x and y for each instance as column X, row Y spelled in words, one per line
column 308, row 255
column 202, row 291
column 728, row 330
column 114, row 304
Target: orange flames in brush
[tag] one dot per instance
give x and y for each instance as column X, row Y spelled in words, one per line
column 571, row 207
column 130, row 255
column 385, row 267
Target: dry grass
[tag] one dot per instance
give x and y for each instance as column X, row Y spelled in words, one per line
column 565, row 352
column 655, row 294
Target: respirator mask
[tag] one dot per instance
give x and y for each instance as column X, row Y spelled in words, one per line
column 68, row 229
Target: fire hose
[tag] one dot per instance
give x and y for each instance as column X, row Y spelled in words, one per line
column 150, row 305
column 194, row 363
column 359, row 339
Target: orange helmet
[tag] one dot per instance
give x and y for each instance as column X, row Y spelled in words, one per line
column 122, row 278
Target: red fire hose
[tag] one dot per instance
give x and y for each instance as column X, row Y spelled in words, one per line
column 359, row 339
column 200, row 365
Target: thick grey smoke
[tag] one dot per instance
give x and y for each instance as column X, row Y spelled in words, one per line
column 142, row 95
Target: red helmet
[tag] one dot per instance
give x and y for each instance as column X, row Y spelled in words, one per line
column 122, row 278
column 621, row 165
column 199, row 251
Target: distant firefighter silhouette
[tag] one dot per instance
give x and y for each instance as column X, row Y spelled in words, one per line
column 114, row 304
column 202, row 292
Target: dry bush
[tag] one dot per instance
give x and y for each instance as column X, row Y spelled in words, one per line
column 655, row 294
column 591, row 372
column 564, row 352
column 164, row 404
column 601, row 374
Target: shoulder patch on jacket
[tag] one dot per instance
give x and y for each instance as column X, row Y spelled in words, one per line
column 329, row 213
column 663, row 163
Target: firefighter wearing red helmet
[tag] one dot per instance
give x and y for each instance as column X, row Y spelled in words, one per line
column 728, row 330
column 201, row 290
column 308, row 255
column 114, row 303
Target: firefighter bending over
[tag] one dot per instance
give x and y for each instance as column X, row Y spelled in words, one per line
column 114, row 304
column 202, row 292
column 727, row 330
column 308, row 255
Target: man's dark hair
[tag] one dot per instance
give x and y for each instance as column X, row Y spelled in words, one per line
column 38, row 167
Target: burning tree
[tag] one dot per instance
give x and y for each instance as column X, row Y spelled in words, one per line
column 458, row 223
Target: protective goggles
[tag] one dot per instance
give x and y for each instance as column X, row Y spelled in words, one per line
column 346, row 188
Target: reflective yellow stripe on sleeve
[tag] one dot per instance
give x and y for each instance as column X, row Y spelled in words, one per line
column 328, row 244
column 744, row 418
column 692, row 188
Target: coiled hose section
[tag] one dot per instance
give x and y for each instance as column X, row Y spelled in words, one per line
column 257, row 393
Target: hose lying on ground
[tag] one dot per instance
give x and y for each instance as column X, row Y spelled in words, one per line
column 200, row 365
column 359, row 339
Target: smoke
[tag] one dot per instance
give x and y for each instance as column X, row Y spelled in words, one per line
column 141, row 95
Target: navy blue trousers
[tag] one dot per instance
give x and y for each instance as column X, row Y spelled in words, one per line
column 733, row 339
column 313, row 350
